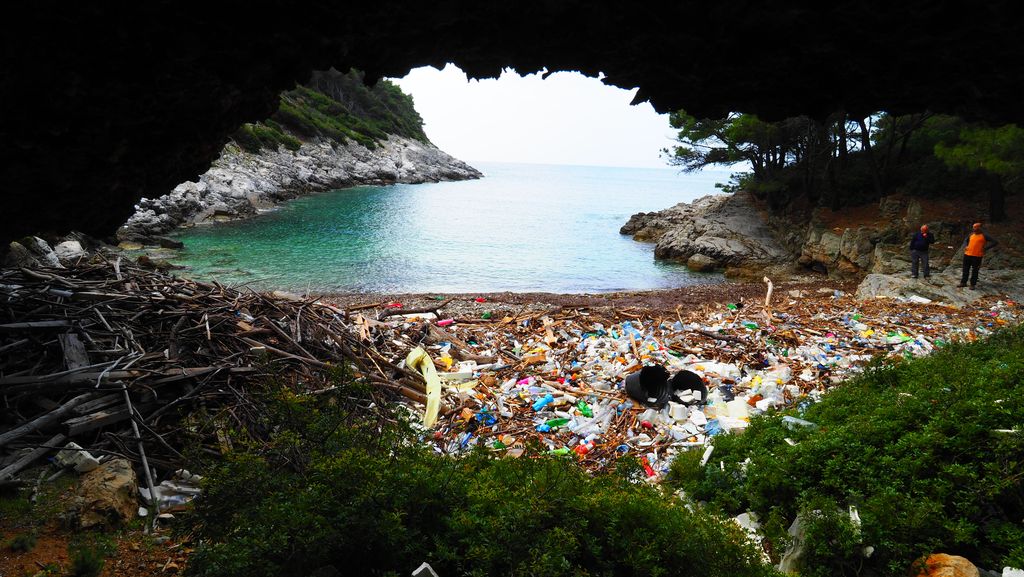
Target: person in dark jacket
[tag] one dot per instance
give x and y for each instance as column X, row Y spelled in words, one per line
column 919, row 244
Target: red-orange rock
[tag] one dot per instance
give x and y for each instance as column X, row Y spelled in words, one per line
column 942, row 565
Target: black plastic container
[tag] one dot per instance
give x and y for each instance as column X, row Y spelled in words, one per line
column 650, row 382
column 690, row 381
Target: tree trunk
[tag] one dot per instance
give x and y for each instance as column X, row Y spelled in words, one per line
column 838, row 168
column 996, row 200
column 843, row 149
column 865, row 140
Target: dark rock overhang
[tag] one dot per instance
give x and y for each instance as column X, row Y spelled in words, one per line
column 104, row 103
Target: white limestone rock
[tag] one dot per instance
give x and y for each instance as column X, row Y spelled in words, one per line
column 240, row 184
column 728, row 229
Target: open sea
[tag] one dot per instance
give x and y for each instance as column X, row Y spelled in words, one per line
column 521, row 228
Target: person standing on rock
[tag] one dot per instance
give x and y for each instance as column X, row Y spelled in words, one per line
column 974, row 249
column 919, row 244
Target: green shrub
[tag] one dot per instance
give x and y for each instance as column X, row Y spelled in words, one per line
column 366, row 115
column 86, row 561
column 333, row 486
column 23, row 542
column 88, row 553
column 914, row 446
column 254, row 137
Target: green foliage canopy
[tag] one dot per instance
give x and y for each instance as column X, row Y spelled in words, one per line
column 997, row 150
column 731, row 140
column 339, row 108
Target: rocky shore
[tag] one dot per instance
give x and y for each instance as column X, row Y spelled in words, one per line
column 735, row 233
column 241, row 184
column 711, row 233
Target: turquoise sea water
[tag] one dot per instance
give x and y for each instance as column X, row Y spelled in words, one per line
column 521, row 228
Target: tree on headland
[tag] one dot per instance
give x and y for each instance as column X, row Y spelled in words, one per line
column 728, row 141
column 998, row 153
column 847, row 159
column 796, row 154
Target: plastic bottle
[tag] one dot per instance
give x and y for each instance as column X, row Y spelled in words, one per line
column 502, row 410
column 543, row 402
column 794, row 423
column 647, row 467
column 584, row 409
column 583, row 448
column 649, row 415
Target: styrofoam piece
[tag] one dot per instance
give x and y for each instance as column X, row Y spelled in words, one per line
column 738, row 409
column 698, row 418
column 73, row 455
column 424, row 570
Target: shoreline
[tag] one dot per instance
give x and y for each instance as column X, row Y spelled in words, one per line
column 663, row 301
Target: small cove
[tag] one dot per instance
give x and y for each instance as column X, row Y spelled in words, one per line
column 521, row 228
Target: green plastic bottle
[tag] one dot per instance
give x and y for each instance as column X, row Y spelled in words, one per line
column 584, row 409
column 555, row 423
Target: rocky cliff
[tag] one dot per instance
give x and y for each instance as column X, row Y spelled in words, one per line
column 333, row 132
column 242, row 183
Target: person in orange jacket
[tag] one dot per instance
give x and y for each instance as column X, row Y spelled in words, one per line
column 974, row 249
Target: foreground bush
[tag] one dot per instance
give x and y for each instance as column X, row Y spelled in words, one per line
column 915, row 447
column 335, row 489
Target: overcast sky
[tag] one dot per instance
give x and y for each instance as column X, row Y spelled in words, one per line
column 567, row 118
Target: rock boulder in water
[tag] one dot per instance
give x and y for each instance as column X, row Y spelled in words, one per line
column 724, row 229
column 701, row 263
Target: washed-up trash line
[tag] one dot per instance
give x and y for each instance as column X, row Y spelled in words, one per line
column 564, row 383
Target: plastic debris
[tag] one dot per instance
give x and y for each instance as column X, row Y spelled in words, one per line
column 424, row 570
column 419, row 360
column 793, row 423
column 597, row 386
column 73, row 455
column 174, row 494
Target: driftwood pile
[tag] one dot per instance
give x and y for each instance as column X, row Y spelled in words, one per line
column 136, row 363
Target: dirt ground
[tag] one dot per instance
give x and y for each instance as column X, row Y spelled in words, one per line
column 132, row 552
column 137, row 555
